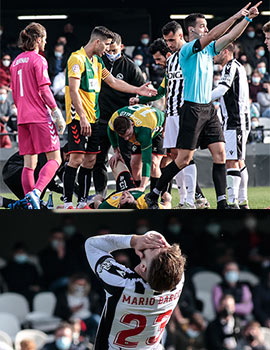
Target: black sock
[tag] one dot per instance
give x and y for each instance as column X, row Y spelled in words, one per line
column 219, row 178
column 168, row 187
column 137, row 183
column 68, row 182
column 84, row 181
column 153, row 182
column 168, row 174
column 198, row 193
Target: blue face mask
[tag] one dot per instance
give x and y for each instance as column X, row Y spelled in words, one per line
column 55, row 243
column 262, row 70
column 63, row 343
column 174, row 228
column 145, row 41
column 20, row 258
column 231, row 276
column 192, row 333
column 261, row 53
column 251, row 34
column 69, row 230
column 138, row 62
column 3, row 97
column 57, row 54
column 113, row 57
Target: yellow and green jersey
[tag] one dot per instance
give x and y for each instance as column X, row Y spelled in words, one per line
column 148, row 123
column 162, row 91
column 113, row 200
column 90, row 72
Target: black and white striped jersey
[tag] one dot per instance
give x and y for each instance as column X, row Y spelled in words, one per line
column 134, row 316
column 175, row 85
column 235, row 102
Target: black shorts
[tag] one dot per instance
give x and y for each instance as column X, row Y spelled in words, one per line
column 124, row 181
column 199, row 126
column 157, row 146
column 82, row 144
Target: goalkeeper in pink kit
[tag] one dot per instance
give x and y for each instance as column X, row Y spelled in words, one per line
column 37, row 112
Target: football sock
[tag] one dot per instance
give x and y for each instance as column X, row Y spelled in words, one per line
column 153, row 182
column 28, row 180
column 190, row 173
column 181, row 185
column 233, row 182
column 243, row 195
column 68, row 182
column 84, row 181
column 46, row 174
column 219, row 178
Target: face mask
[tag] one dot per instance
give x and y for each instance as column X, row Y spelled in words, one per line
column 3, row 97
column 141, row 230
column 216, row 103
column 216, row 82
column 55, row 243
column 251, row 34
column 261, row 53
column 254, row 125
column 174, row 228
column 113, row 57
column 145, row 41
column 20, row 258
column 69, row 230
column 256, row 80
column 251, row 223
column 1, row 32
column 262, row 70
column 192, row 333
column 138, row 62
column 63, row 343
column 78, row 289
column 231, row 276
column 216, row 68
column 213, row 229
column 6, row 63
column 57, row 54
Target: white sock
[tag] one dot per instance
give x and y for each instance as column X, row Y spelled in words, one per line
column 180, row 181
column 243, row 188
column 233, row 182
column 190, row 173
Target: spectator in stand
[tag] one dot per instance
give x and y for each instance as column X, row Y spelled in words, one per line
column 188, row 336
column 77, row 302
column 254, row 109
column 138, row 60
column 249, row 41
column 261, row 297
column 63, row 339
column 258, row 57
column 57, row 264
column 12, row 121
column 72, row 41
column 58, row 89
column 5, row 77
column 255, row 85
column 252, row 337
column 263, row 98
column 20, row 275
column 56, row 61
column 238, row 290
column 261, row 68
column 224, row 332
column 143, row 49
column 256, row 134
column 28, row 344
column 12, row 47
column 243, row 60
column 5, row 113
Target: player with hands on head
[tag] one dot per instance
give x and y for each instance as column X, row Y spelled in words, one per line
column 139, row 302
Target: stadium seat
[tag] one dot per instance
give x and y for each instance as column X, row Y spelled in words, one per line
column 249, row 277
column 9, row 324
column 265, row 122
column 5, row 346
column 205, row 280
column 266, row 336
column 39, row 337
column 15, row 304
column 208, row 310
column 5, row 338
column 42, row 315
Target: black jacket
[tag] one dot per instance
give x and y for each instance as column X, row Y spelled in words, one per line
column 111, row 100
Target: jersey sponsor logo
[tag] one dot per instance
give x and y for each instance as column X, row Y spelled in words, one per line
column 106, row 265
column 115, row 197
column 21, row 60
column 175, row 75
column 120, row 76
column 93, row 84
column 76, row 68
column 121, row 273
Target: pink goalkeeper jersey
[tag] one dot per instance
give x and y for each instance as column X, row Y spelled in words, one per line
column 29, row 71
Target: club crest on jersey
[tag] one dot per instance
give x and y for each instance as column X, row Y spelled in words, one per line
column 106, row 265
column 120, row 76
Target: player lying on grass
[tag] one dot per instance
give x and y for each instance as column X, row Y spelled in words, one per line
column 126, row 195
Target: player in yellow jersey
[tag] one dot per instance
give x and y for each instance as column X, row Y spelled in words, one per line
column 85, row 69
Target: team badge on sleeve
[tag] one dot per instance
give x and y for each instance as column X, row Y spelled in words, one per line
column 106, row 265
column 76, row 68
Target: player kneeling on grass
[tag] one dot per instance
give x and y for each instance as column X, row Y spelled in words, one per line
column 139, row 302
column 126, row 195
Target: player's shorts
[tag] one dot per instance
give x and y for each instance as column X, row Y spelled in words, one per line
column 157, row 146
column 171, row 132
column 235, row 144
column 199, row 126
column 124, row 181
column 82, row 144
column 35, row 138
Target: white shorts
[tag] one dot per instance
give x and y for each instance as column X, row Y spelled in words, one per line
column 171, row 132
column 235, row 144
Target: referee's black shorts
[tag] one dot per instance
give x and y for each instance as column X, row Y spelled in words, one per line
column 199, row 126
